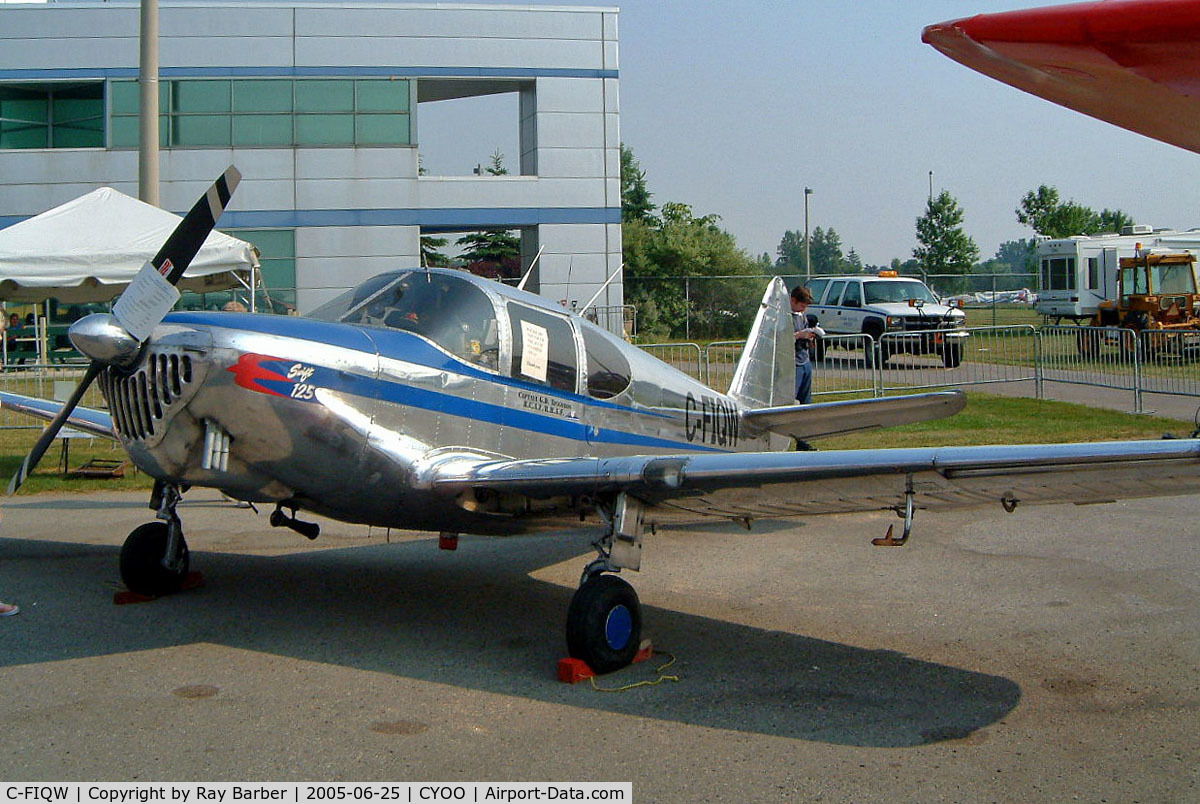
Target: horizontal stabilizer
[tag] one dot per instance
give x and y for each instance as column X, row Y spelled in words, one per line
column 824, row 419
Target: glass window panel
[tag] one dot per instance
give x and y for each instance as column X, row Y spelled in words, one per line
column 835, row 293
column 325, row 129
column 262, row 96
column 20, row 135
column 262, row 129
column 381, row 129
column 67, row 110
column 608, row 370
column 200, row 96
column 124, row 97
column 201, row 130
column 123, row 132
column 382, row 95
column 552, row 359
column 853, row 295
column 817, row 288
column 324, row 96
column 27, row 109
column 278, row 274
column 86, row 135
column 270, row 243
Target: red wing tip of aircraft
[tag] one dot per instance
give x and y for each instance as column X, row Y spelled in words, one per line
column 1132, row 63
column 1108, row 22
column 193, row 580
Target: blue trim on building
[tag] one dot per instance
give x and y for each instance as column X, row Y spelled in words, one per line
column 302, row 72
column 448, row 220
column 431, row 220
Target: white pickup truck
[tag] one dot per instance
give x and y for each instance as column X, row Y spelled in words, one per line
column 900, row 314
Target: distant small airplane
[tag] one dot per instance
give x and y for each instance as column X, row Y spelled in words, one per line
column 437, row 400
column 1133, row 63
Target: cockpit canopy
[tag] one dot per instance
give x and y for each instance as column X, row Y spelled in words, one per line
column 509, row 336
column 452, row 312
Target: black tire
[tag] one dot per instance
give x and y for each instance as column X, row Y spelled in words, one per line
column 818, row 350
column 604, row 624
column 952, row 354
column 141, row 562
column 872, row 353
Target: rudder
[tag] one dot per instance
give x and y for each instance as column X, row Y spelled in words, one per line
column 766, row 373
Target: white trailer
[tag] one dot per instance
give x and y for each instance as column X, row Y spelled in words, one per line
column 1078, row 273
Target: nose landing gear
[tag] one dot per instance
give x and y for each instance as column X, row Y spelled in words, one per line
column 154, row 558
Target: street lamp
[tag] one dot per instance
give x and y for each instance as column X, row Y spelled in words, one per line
column 807, row 253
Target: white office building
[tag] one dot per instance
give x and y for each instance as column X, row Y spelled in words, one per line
column 320, row 106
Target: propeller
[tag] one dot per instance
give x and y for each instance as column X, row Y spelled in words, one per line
column 116, row 339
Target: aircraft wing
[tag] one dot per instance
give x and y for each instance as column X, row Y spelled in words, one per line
column 1134, row 63
column 825, row 419
column 96, row 422
column 776, row 484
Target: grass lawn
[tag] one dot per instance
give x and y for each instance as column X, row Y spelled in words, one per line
column 986, row 420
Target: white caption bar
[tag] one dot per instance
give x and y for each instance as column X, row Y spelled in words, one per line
column 310, row 793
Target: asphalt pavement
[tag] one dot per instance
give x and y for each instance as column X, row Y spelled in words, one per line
column 1046, row 655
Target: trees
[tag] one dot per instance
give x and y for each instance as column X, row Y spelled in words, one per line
column 685, row 273
column 635, row 196
column 1048, row 215
column 944, row 247
column 825, row 253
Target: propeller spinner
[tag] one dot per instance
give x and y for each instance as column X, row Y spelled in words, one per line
column 116, row 339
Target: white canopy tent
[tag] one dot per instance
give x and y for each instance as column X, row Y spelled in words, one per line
column 89, row 249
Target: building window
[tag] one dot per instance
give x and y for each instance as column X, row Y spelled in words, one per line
column 52, row 115
column 277, row 275
column 272, row 112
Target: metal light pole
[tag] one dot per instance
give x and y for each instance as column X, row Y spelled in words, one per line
column 148, row 106
column 807, row 253
column 931, row 187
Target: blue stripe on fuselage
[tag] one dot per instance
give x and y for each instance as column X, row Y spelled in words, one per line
column 412, row 348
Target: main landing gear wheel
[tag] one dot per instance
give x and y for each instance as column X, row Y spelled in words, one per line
column 142, row 567
column 604, row 623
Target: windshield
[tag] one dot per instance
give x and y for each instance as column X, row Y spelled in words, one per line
column 1170, row 278
column 449, row 311
column 886, row 291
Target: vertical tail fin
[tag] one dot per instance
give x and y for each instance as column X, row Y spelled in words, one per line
column 766, row 375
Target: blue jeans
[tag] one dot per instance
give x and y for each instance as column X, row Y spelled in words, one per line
column 804, row 375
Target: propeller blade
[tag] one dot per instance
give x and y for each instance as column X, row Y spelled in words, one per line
column 147, row 300
column 152, row 294
column 51, row 432
column 177, row 253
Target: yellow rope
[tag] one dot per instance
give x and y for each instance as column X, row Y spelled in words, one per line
column 661, row 678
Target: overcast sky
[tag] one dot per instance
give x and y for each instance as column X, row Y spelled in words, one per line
column 734, row 108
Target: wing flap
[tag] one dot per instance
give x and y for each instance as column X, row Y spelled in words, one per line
column 741, row 485
column 825, row 419
column 96, row 422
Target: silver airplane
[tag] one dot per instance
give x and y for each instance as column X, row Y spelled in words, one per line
column 436, row 400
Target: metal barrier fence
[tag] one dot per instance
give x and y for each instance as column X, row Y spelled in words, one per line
column 854, row 365
column 986, row 355
column 687, row 357
column 48, row 381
